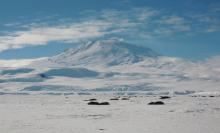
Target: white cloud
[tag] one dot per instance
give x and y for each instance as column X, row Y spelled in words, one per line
column 164, row 31
column 172, row 20
column 174, row 24
column 12, row 24
column 17, row 63
column 213, row 28
column 137, row 15
column 145, row 13
column 43, row 35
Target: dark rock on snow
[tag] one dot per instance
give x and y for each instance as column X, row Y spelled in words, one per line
column 93, row 103
column 156, row 103
column 97, row 103
column 125, row 98
column 114, row 99
column 164, row 97
column 104, row 103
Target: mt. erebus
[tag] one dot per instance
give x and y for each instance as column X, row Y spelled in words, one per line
column 110, row 65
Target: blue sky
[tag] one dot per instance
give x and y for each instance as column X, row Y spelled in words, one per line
column 37, row 28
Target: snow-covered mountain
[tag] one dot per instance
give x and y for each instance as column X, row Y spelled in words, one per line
column 111, row 65
column 103, row 53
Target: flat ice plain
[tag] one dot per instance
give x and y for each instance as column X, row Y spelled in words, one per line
column 71, row 114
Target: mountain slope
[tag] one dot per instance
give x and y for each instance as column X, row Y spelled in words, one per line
column 113, row 65
column 105, row 53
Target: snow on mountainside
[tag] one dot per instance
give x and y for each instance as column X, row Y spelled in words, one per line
column 112, row 65
column 106, row 53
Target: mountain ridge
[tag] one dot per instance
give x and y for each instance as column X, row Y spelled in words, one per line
column 112, row 64
column 106, row 53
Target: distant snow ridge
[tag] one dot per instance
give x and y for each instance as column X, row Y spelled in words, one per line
column 107, row 53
